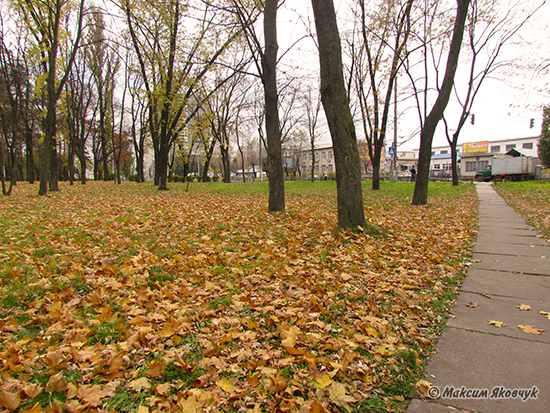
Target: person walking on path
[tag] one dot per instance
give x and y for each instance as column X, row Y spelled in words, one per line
column 492, row 356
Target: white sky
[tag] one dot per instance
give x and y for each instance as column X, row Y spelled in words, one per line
column 503, row 107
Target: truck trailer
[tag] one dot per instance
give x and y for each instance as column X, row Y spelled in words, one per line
column 510, row 168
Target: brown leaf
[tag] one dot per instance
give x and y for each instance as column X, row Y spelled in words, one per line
column 57, row 383
column 139, row 384
column 34, row 409
column 163, row 389
column 524, row 307
column 156, row 369
column 496, row 323
column 91, row 395
column 74, row 406
column 9, row 400
column 32, row 390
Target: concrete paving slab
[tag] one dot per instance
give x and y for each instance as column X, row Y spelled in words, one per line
column 424, row 406
column 505, row 284
column 484, row 239
column 525, row 265
column 497, row 228
column 497, row 308
column 484, row 361
column 511, row 221
column 514, row 249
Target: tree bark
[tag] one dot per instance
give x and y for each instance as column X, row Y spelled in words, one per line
column 342, row 130
column 420, row 196
column 274, row 155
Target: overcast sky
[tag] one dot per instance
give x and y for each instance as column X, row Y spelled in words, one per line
column 504, row 106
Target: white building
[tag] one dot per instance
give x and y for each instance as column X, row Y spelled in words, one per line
column 475, row 156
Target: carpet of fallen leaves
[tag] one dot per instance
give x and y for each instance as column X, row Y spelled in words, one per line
column 127, row 299
column 531, row 200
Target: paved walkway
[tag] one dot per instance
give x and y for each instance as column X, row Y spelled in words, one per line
column 511, row 266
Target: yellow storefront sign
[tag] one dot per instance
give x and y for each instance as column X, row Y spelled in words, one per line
column 475, row 147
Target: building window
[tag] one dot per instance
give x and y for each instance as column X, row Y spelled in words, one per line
column 316, row 169
column 437, row 166
column 528, row 145
column 330, row 166
column 404, row 168
column 481, row 165
column 443, row 152
column 495, row 149
column 510, row 147
column 330, row 155
column 471, row 166
column 317, row 157
column 310, row 157
column 324, row 155
column 446, row 166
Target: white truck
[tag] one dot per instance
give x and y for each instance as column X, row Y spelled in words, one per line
column 515, row 168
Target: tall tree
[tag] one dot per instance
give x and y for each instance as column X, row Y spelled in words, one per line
column 490, row 27
column 175, row 56
column 104, row 64
column 420, row 196
column 45, row 21
column 266, row 63
column 312, row 106
column 336, row 104
column 79, row 101
column 272, row 124
column 383, row 36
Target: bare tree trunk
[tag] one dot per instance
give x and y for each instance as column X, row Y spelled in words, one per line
column 420, row 196
column 274, row 155
column 342, row 130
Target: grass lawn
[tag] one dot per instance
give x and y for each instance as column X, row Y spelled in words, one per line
column 127, row 299
column 531, row 200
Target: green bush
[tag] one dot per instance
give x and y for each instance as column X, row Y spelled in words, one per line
column 132, row 177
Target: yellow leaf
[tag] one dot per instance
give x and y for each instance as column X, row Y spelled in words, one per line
column 546, row 314
column 524, row 307
column 191, row 405
column 531, row 329
column 226, row 385
column 498, row 324
column 424, row 387
column 323, row 382
column 143, row 409
column 337, row 393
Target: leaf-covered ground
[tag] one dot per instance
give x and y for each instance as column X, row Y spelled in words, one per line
column 531, row 200
column 121, row 298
